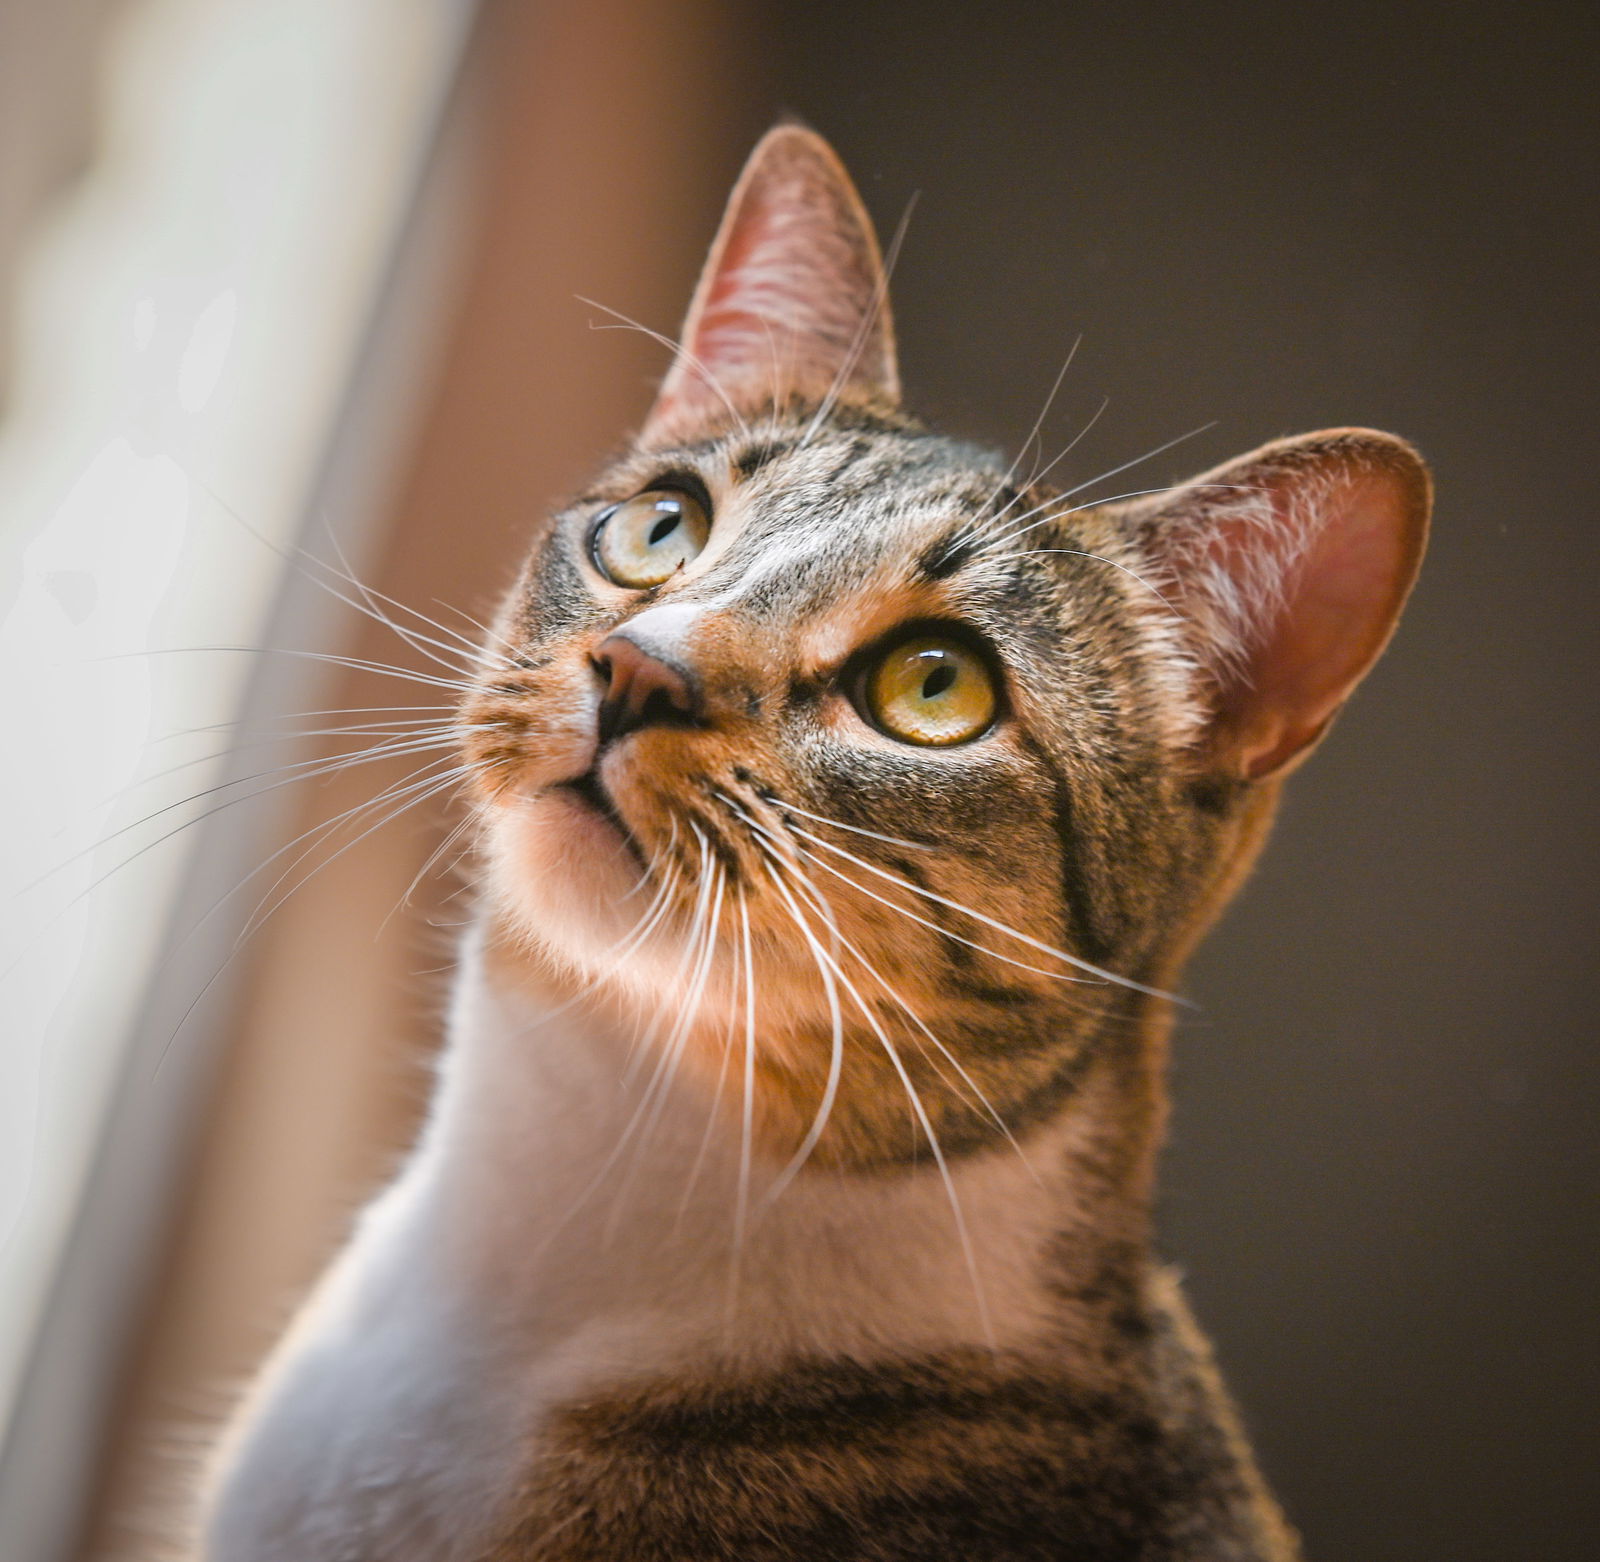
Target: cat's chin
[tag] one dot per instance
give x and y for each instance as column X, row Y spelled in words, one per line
column 563, row 869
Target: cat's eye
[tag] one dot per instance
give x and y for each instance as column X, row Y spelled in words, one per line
column 931, row 689
column 649, row 538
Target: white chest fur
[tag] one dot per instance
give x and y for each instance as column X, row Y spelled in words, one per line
column 559, row 1229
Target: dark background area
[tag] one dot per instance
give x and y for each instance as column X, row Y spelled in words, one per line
column 1383, row 1170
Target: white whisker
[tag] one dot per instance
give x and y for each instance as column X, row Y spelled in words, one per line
column 741, row 1207
column 830, row 1089
column 1149, row 455
column 333, row 659
column 1092, row 504
column 854, row 829
column 1100, row 558
column 458, row 643
column 414, row 793
column 670, row 1052
column 1000, row 927
column 1033, row 433
column 869, row 317
column 677, row 349
column 896, row 1062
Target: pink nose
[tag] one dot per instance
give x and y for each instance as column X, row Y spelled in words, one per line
column 644, row 687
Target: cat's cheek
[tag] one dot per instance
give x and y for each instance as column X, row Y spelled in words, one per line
column 563, row 872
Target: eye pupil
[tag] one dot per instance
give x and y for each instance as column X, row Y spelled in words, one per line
column 929, row 688
column 646, row 540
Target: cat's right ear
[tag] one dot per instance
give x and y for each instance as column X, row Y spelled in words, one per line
column 793, row 302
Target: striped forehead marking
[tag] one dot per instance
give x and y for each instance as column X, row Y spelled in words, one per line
column 902, row 493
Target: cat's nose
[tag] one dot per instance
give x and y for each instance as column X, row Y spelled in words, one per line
column 646, row 683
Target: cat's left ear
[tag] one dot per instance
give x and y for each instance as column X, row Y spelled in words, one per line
column 1289, row 567
column 793, row 302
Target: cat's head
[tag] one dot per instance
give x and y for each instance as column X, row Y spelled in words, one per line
column 807, row 726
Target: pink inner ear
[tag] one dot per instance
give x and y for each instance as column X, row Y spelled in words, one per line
column 1339, row 604
column 791, row 303
column 1292, row 566
column 771, row 321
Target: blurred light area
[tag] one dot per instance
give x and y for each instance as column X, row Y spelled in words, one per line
column 185, row 331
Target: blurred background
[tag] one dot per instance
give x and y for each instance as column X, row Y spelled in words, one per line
column 288, row 294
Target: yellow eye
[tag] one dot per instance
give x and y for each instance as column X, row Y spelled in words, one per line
column 931, row 690
column 647, row 539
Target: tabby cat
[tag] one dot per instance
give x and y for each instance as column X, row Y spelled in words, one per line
column 846, row 806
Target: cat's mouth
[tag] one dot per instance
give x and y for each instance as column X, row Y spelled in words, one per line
column 590, row 790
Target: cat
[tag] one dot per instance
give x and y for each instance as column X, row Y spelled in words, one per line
column 846, row 807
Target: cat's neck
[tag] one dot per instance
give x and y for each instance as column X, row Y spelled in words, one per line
column 584, row 1195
